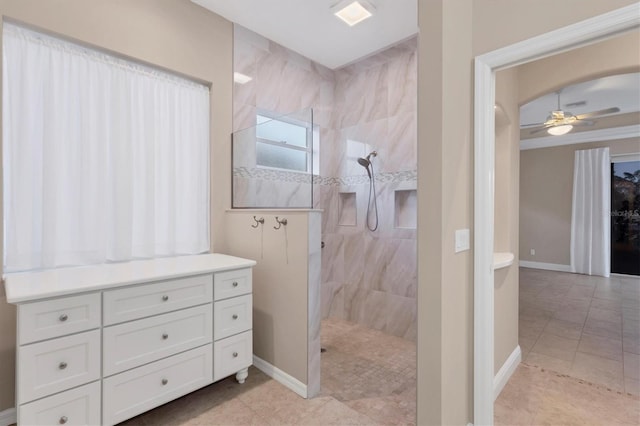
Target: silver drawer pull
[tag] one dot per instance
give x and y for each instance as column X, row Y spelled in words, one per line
column 235, row 354
column 235, row 316
column 164, row 382
column 63, row 318
column 62, row 365
column 235, row 284
column 165, row 298
column 165, row 336
column 63, row 420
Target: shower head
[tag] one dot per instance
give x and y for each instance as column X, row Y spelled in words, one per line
column 366, row 162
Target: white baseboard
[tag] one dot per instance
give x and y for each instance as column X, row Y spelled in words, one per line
column 505, row 372
column 8, row 417
column 280, row 376
column 615, row 274
column 545, row 266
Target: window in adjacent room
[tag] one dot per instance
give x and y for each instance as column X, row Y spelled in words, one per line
column 625, row 214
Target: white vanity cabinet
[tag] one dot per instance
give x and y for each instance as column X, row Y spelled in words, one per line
column 233, row 319
column 101, row 344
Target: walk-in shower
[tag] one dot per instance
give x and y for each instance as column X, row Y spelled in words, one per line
column 367, row 294
column 367, row 164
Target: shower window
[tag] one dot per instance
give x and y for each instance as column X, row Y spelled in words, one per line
column 275, row 161
column 282, row 144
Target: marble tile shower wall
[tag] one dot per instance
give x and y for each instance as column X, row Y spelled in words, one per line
column 370, row 277
column 367, row 277
column 283, row 82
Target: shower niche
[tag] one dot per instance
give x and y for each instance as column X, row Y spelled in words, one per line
column 348, row 209
column 405, row 208
column 274, row 162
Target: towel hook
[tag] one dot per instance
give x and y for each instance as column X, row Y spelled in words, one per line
column 258, row 222
column 280, row 222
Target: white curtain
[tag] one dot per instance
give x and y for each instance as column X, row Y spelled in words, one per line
column 103, row 159
column 591, row 213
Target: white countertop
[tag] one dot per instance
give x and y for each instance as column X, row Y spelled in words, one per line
column 30, row 286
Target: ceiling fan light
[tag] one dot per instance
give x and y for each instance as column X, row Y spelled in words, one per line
column 560, row 130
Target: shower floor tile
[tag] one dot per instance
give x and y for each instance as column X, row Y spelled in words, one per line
column 372, row 372
column 364, row 363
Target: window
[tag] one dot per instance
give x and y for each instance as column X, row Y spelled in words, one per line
column 283, row 143
column 625, row 214
column 104, row 159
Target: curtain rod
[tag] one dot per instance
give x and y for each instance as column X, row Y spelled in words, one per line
column 625, row 155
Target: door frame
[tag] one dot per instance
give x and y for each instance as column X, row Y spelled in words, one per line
column 563, row 39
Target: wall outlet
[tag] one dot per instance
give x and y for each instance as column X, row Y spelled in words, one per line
column 462, row 240
column 533, row 252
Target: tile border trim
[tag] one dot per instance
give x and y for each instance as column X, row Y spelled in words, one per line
column 298, row 177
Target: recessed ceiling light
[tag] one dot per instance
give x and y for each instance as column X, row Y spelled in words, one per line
column 241, row 78
column 353, row 12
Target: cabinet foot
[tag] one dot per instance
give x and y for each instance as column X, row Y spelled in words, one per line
column 242, row 375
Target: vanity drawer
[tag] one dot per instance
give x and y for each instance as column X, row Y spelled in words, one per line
column 141, row 301
column 231, row 283
column 133, row 392
column 58, row 317
column 79, row 406
column 232, row 354
column 139, row 342
column 55, row 365
column 232, row 316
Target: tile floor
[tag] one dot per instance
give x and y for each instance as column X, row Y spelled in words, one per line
column 584, row 326
column 368, row 378
column 580, row 338
column 536, row 396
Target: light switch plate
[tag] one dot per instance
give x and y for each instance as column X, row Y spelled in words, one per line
column 462, row 240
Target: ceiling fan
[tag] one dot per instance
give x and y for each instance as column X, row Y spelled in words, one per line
column 560, row 122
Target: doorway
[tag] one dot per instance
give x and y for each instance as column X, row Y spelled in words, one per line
column 580, row 34
column 625, row 215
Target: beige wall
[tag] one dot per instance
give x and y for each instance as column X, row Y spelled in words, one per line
column 546, row 179
column 172, row 34
column 499, row 23
column 280, row 290
column 445, row 304
column 617, row 55
column 451, row 34
column 506, row 230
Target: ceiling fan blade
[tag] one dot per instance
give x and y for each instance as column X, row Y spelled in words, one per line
column 524, row 126
column 584, row 123
column 597, row 113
